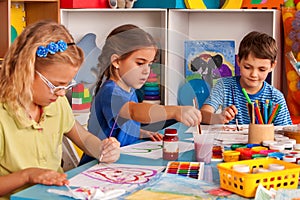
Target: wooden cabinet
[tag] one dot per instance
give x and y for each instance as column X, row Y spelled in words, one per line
column 35, row 10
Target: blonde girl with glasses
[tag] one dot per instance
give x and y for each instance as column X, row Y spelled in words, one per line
column 35, row 115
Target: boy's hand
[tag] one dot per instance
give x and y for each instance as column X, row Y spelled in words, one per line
column 110, row 150
column 229, row 113
column 154, row 136
column 189, row 116
column 44, row 176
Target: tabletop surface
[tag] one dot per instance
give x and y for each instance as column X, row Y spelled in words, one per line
column 211, row 173
column 40, row 191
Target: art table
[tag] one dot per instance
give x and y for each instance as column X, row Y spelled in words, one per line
column 40, row 191
column 211, row 173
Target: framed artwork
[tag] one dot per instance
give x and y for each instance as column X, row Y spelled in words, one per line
column 209, row 59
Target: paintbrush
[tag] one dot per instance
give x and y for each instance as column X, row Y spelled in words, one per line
column 196, row 106
column 72, row 192
column 233, row 102
column 110, row 134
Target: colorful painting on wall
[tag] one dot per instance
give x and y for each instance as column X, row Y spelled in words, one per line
column 209, row 59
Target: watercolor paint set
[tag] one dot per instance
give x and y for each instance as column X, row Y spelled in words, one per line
column 188, row 169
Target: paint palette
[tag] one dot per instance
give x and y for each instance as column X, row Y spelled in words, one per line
column 188, row 169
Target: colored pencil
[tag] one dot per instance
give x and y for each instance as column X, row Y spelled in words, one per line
column 266, row 111
column 258, row 114
column 274, row 113
column 251, row 112
column 270, row 108
column 246, row 95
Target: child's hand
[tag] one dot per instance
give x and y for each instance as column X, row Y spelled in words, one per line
column 44, row 176
column 189, row 116
column 229, row 113
column 110, row 150
column 154, row 136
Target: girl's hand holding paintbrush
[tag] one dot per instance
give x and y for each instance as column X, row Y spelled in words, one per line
column 189, row 116
column 110, row 150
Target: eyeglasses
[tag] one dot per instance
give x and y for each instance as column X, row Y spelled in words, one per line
column 56, row 89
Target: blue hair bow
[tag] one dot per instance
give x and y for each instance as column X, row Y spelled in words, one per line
column 52, row 48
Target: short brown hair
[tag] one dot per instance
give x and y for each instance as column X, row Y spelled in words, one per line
column 261, row 45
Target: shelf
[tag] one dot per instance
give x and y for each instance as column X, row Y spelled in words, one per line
column 215, row 24
column 35, row 11
column 4, row 27
column 102, row 21
column 171, row 27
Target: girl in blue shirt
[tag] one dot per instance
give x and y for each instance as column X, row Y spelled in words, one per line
column 125, row 64
column 256, row 58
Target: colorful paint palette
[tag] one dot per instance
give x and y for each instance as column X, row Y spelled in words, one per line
column 188, row 169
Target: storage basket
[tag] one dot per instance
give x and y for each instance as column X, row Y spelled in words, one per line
column 245, row 184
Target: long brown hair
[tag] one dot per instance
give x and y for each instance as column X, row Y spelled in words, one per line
column 21, row 61
column 122, row 41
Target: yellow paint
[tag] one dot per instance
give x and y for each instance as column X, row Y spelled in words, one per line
column 18, row 16
column 232, row 4
column 194, row 4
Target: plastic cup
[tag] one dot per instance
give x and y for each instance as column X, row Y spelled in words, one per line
column 203, row 146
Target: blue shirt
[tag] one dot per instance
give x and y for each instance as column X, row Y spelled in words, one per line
column 221, row 97
column 105, row 108
column 104, row 111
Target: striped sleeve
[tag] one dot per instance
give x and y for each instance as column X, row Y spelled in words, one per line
column 216, row 96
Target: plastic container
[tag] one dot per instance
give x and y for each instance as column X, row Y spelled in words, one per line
column 258, row 155
column 236, row 146
column 266, row 143
column 241, row 168
column 246, row 184
column 266, row 152
column 296, row 147
column 290, row 159
column 277, row 146
column 170, row 145
column 246, row 153
column 231, row 156
column 258, row 148
column 217, row 152
column 277, row 155
column 203, row 144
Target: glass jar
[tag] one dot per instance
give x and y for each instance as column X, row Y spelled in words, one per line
column 170, row 145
